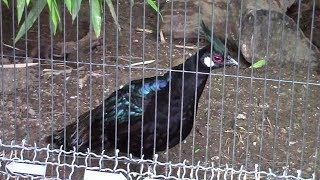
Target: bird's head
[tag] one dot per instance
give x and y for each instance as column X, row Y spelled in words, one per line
column 215, row 60
column 218, row 56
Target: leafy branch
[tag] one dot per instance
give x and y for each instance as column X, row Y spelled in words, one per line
column 73, row 7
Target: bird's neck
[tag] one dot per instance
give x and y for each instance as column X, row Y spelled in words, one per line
column 193, row 80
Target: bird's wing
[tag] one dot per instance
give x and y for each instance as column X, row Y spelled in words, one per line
column 131, row 100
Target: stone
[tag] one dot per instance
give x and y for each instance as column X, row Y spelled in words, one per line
column 283, row 38
column 9, row 84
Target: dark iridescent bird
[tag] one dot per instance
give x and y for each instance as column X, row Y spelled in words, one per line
column 150, row 132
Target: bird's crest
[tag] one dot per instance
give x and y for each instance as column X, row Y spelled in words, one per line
column 217, row 44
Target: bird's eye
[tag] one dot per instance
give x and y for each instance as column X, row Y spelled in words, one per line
column 218, row 59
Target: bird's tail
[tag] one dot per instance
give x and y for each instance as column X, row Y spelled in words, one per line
column 77, row 135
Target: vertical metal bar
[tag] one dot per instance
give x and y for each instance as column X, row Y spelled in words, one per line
column 156, row 76
column 143, row 71
column 117, row 84
column 210, row 88
column 223, row 85
column 64, row 84
column 265, row 88
column 195, row 94
column 183, row 73
column 276, row 126
column 317, row 147
column 39, row 116
column 1, row 71
column 14, row 72
column 306, row 96
column 78, row 82
column 248, row 153
column 237, row 90
column 130, row 70
column 292, row 107
column 169, row 98
column 27, row 131
column 103, row 72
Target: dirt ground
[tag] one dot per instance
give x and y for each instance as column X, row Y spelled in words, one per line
column 267, row 116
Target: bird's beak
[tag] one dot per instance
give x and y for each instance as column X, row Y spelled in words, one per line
column 231, row 62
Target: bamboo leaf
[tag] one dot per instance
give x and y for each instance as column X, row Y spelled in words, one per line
column 31, row 18
column 96, row 17
column 69, row 4
column 154, row 6
column 113, row 14
column 75, row 8
column 55, row 14
column 6, row 2
column 21, row 7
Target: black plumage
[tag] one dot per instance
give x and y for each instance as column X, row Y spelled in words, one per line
column 121, row 108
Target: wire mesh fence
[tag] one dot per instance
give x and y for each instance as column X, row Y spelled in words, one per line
column 151, row 97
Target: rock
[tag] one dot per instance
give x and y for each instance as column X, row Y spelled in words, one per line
column 292, row 48
column 177, row 19
column 306, row 17
column 274, row 5
column 9, row 84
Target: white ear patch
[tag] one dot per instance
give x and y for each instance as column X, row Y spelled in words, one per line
column 208, row 62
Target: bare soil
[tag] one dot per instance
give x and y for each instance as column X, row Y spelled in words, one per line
column 246, row 116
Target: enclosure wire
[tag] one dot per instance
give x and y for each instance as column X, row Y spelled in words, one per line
column 250, row 119
column 64, row 82
column 53, row 122
column 78, row 82
column 169, row 94
column 315, row 83
column 280, row 81
column 208, row 124
column 317, row 147
column 292, row 107
column 195, row 93
column 156, row 77
column 234, row 144
column 117, row 86
column 143, row 73
column 39, row 116
column 306, row 95
column 221, row 152
column 183, row 84
column 265, row 88
column 104, row 49
column 13, row 151
column 130, row 70
column 14, row 72
column 1, row 72
column 27, row 78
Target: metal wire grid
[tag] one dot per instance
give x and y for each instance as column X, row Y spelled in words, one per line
column 44, row 156
column 227, row 170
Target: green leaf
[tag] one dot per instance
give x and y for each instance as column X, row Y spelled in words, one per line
column 21, row 7
column 154, row 6
column 76, row 5
column 113, row 14
column 73, row 7
column 259, row 64
column 31, row 18
column 55, row 14
column 6, row 2
column 96, row 17
column 69, row 4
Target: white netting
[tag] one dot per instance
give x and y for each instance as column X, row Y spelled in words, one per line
column 61, row 164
